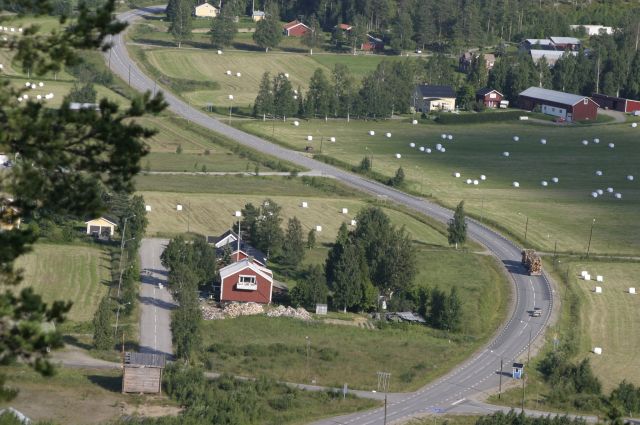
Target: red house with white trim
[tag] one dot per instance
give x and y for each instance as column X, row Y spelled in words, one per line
column 295, row 29
column 490, row 97
column 246, row 281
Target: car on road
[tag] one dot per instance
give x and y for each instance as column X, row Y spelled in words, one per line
column 536, row 312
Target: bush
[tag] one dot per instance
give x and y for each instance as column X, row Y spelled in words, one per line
column 479, row 118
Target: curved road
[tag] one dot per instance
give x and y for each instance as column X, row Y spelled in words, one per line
column 475, row 376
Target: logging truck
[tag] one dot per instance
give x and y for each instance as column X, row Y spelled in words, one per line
column 532, row 262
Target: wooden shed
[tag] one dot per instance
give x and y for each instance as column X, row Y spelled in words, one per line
column 142, row 373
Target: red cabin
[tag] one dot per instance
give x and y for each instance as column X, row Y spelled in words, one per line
column 295, row 29
column 489, row 97
column 246, row 281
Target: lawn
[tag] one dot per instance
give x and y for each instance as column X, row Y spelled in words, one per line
column 77, row 273
column 212, row 214
column 561, row 212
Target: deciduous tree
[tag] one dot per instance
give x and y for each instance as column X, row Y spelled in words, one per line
column 457, row 229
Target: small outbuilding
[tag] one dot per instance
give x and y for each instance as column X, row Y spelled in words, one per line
column 372, row 44
column 566, row 106
column 616, row 103
column 257, row 15
column 295, row 29
column 428, row 98
column 491, row 98
column 142, row 373
column 206, row 10
column 246, row 281
column 518, row 370
column 101, row 227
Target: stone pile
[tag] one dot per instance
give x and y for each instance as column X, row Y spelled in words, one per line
column 245, row 309
column 296, row 313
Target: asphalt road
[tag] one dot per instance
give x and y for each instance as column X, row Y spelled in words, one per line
column 475, row 376
column 156, row 302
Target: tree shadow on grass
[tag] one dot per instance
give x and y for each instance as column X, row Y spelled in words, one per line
column 109, row 383
column 72, row 340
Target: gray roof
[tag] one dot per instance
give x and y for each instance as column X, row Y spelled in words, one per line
column 540, row 41
column 144, row 359
column 553, row 95
column 436, row 91
column 564, row 40
column 551, row 56
column 258, row 13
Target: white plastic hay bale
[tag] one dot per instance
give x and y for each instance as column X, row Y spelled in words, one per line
column 634, row 125
column 555, row 179
column 25, row 96
column 318, row 228
column 39, row 97
column 585, row 142
column 598, row 290
column 632, row 290
column 20, row 99
column 219, row 52
column 178, row 207
column 414, row 122
column 421, row 148
column 286, row 75
column 598, row 172
column 544, row 183
column 587, row 276
column 505, row 154
column 443, row 136
column 483, row 177
column 27, row 84
column 305, row 204
column 230, row 97
column 456, row 175
column 596, row 140
column 630, row 177
column 450, row 137
column 469, row 181
column 438, row 146
column 599, row 278
column 618, row 195
column 40, row 84
column 516, row 184
column 388, row 135
column 372, row 133
column 19, row 29
column 610, row 189
column 345, row 211
column 594, row 194
column 296, row 123
column 237, row 213
column 33, row 86
column 238, row 74
column 398, row 156
column 597, row 350
column 332, row 139
column 543, row 141
column 310, row 138
column 476, row 182
column 584, row 273
column 516, row 138
column 147, row 208
column 228, row 72
column 412, row 145
column 428, row 150
column 611, row 145
column 353, row 222
column 443, row 150
column 600, row 192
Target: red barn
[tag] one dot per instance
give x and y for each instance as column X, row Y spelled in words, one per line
column 616, row 103
column 295, row 29
column 566, row 106
column 491, row 98
column 246, row 281
column 373, row 44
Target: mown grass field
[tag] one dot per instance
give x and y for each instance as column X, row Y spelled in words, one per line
column 70, row 273
column 212, row 214
column 61, row 89
column 561, row 212
column 610, row 320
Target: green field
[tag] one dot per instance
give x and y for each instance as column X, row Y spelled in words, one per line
column 562, row 212
column 61, row 89
column 80, row 274
column 212, row 214
column 610, row 320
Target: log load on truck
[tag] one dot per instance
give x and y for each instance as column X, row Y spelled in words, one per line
column 532, row 262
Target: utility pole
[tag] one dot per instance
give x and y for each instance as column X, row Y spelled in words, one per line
column 383, row 384
column 238, row 214
column 590, row 236
column 529, row 347
column 122, row 242
column 523, row 390
column 500, row 388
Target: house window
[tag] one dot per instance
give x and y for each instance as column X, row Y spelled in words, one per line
column 247, row 282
